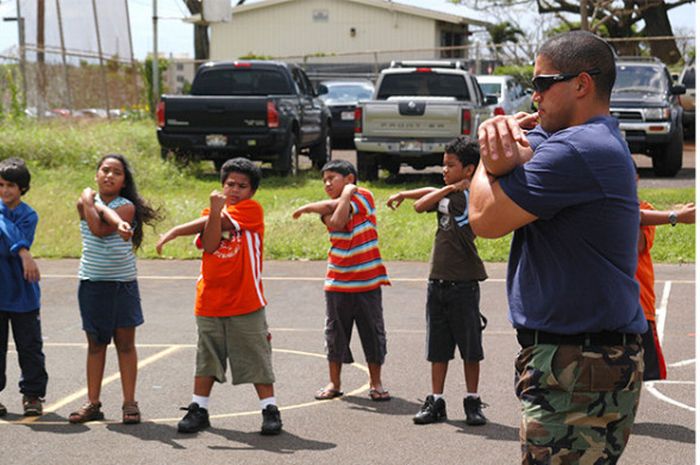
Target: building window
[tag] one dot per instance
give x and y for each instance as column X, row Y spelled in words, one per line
column 452, row 39
column 180, row 78
column 179, row 66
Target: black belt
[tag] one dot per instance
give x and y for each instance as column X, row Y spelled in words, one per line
column 530, row 337
column 444, row 282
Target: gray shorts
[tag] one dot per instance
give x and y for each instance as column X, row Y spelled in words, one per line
column 453, row 320
column 244, row 340
column 365, row 310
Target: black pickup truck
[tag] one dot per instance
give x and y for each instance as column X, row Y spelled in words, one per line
column 262, row 110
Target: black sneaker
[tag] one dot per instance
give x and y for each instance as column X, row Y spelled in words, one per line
column 195, row 420
column 432, row 411
column 3, row 410
column 472, row 407
column 272, row 421
column 32, row 406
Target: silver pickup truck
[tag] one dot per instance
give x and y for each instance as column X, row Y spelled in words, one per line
column 417, row 108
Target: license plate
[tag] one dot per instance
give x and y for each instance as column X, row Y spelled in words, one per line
column 410, row 146
column 216, row 140
column 347, row 115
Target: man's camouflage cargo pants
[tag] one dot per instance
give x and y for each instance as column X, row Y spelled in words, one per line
column 578, row 403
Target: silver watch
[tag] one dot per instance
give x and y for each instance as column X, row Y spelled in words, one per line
column 672, row 218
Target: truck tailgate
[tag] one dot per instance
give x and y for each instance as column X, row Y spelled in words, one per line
column 193, row 114
column 438, row 119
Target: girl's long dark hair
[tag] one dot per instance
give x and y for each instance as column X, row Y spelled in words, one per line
column 144, row 214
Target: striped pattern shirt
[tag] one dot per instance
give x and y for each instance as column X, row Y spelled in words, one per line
column 108, row 258
column 354, row 261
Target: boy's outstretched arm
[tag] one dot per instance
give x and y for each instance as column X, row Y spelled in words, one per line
column 396, row 199
column 684, row 215
column 189, row 229
column 322, row 207
column 428, row 201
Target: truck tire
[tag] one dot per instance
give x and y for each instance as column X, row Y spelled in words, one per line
column 178, row 157
column 218, row 163
column 367, row 167
column 288, row 161
column 320, row 153
column 667, row 159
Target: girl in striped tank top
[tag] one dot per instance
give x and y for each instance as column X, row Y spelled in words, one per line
column 111, row 226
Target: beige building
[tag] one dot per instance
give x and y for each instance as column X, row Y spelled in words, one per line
column 180, row 72
column 347, row 31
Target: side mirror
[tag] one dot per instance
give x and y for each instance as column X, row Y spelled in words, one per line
column 678, row 89
column 490, row 99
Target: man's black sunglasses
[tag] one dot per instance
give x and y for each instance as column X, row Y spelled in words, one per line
column 545, row 81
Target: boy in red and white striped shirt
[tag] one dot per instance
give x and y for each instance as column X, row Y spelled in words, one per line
column 354, row 277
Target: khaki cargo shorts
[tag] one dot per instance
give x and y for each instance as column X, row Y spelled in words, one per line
column 244, row 340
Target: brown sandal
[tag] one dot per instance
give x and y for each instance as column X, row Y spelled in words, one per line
column 131, row 415
column 88, row 412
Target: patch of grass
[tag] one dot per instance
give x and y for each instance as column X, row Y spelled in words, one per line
column 62, row 158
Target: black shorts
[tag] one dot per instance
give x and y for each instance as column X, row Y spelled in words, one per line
column 365, row 310
column 108, row 305
column 453, row 320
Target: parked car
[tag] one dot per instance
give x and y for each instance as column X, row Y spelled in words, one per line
column 262, row 110
column 645, row 101
column 417, row 108
column 688, row 99
column 341, row 98
column 504, row 94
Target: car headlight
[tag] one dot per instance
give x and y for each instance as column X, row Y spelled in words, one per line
column 656, row 114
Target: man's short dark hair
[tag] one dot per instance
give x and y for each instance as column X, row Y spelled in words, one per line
column 466, row 149
column 343, row 167
column 578, row 51
column 243, row 166
column 15, row 170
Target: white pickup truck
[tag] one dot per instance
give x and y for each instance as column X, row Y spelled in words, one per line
column 417, row 108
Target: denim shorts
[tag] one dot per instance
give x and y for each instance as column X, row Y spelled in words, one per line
column 453, row 320
column 108, row 305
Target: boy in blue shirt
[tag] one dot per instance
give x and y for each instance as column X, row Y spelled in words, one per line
column 19, row 277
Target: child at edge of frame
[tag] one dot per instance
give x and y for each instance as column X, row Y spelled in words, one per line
column 230, row 304
column 453, row 317
column 354, row 277
column 20, row 297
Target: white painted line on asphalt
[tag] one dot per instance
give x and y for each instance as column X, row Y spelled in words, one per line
column 668, row 381
column 682, row 363
column 649, row 385
column 661, row 312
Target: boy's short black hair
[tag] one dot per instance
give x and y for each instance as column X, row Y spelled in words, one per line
column 466, row 149
column 244, row 166
column 343, row 167
column 15, row 170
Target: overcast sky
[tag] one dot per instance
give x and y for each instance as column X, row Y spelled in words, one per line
column 175, row 36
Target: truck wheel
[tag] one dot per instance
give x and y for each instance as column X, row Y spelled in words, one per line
column 667, row 159
column 392, row 166
column 178, row 157
column 321, row 153
column 288, row 161
column 367, row 167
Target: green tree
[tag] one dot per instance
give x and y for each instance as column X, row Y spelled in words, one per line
column 502, row 33
column 148, row 78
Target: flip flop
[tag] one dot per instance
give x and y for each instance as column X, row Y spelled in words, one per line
column 379, row 396
column 327, row 394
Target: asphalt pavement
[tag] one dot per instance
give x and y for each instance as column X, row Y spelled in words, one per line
column 348, row 430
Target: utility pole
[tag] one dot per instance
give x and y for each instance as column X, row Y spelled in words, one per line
column 69, row 93
column 583, row 8
column 131, row 55
column 41, row 57
column 154, row 64
column 103, row 74
column 22, row 52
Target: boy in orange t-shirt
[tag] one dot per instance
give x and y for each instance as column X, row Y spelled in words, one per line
column 230, row 305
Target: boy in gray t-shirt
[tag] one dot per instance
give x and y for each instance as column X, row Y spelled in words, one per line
column 452, row 308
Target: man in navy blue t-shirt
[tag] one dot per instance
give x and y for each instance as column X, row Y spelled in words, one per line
column 568, row 191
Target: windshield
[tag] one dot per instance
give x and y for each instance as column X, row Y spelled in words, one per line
column 424, row 85
column 240, row 82
column 345, row 92
column 639, row 78
column 490, row 88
